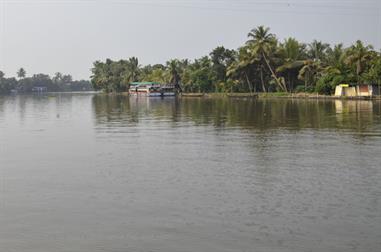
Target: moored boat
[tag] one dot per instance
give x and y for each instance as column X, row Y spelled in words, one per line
column 151, row 89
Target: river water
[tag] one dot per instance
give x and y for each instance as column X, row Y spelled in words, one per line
column 91, row 172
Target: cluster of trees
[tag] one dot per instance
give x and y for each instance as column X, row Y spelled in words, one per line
column 58, row 83
column 262, row 64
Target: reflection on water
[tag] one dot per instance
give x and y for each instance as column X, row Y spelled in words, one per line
column 112, row 173
column 262, row 114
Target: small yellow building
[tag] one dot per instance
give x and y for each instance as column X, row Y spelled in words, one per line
column 344, row 90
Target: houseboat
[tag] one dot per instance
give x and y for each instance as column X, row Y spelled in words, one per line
column 151, row 89
column 40, row 89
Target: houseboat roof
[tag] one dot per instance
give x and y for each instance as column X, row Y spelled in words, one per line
column 144, row 83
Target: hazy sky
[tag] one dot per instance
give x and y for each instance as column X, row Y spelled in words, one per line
column 69, row 35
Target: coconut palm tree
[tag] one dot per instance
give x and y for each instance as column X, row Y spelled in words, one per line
column 174, row 69
column 292, row 54
column 374, row 73
column 309, row 73
column 262, row 43
column 335, row 64
column 240, row 69
column 133, row 69
column 21, row 73
column 358, row 56
column 336, row 55
column 317, row 50
column 101, row 75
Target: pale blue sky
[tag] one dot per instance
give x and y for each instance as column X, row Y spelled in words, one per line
column 67, row 36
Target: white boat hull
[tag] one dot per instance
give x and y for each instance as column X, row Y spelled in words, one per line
column 154, row 94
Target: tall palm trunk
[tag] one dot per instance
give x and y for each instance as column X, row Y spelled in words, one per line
column 248, row 82
column 263, row 83
column 273, row 73
column 289, row 81
column 358, row 71
column 305, row 84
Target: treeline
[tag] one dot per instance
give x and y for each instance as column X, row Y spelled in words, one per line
column 262, row 64
column 58, row 83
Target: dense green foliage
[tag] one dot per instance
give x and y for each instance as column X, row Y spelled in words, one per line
column 59, row 83
column 263, row 64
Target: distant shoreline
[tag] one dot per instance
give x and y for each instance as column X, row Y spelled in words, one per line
column 309, row 96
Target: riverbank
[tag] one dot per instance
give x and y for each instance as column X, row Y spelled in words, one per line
column 278, row 95
column 275, row 95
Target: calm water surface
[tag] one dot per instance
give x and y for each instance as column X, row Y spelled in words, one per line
column 85, row 172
